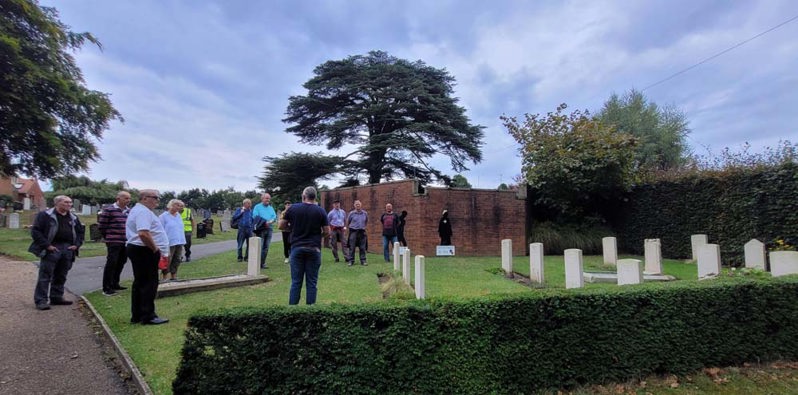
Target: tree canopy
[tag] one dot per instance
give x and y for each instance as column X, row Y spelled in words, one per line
column 459, row 181
column 288, row 175
column 87, row 190
column 396, row 114
column 576, row 163
column 48, row 117
column 661, row 131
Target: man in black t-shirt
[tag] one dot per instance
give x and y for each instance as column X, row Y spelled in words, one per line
column 308, row 223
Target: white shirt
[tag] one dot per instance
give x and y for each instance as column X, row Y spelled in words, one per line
column 142, row 218
column 173, row 225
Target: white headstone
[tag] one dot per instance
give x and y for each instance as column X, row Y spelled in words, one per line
column 573, row 268
column 783, row 263
column 630, row 271
column 653, row 256
column 696, row 241
column 536, row 273
column 421, row 291
column 396, row 257
column 507, row 257
column 610, row 249
column 755, row 254
column 253, row 256
column 85, row 210
column 13, row 221
column 225, row 225
column 227, row 213
column 26, row 203
column 406, row 266
column 709, row 261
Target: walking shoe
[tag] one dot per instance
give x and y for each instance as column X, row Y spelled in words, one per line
column 60, row 302
column 155, row 321
column 286, row 260
column 109, row 293
column 42, row 306
column 241, row 259
column 349, row 264
column 364, row 264
column 119, row 288
column 336, row 260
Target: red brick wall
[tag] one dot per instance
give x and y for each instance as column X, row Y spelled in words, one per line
column 480, row 218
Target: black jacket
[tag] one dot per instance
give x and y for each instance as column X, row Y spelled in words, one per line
column 46, row 225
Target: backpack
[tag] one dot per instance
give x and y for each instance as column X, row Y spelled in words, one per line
column 236, row 219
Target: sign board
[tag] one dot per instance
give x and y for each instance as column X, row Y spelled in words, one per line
column 444, row 250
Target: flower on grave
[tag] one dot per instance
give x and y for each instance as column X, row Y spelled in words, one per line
column 781, row 244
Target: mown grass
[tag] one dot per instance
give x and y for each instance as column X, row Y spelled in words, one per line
column 156, row 349
column 15, row 242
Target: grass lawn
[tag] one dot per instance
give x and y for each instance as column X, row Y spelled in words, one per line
column 15, row 242
column 156, row 349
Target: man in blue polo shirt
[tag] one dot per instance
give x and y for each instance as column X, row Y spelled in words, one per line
column 264, row 213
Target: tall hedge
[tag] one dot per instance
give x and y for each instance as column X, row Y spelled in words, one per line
column 731, row 208
column 492, row 345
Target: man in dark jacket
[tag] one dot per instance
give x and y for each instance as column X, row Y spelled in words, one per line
column 57, row 235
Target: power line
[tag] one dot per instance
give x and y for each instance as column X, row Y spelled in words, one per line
column 720, row 53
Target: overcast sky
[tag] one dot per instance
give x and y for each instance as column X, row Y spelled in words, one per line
column 203, row 85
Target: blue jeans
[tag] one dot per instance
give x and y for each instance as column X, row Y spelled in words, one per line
column 385, row 241
column 243, row 237
column 266, row 237
column 305, row 264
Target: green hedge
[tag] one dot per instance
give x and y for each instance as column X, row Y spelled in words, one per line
column 550, row 339
column 731, row 209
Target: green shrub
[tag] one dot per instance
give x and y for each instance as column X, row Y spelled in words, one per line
column 508, row 344
column 556, row 238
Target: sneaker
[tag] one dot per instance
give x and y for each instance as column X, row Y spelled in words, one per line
column 286, row 260
column 241, row 259
column 60, row 302
column 349, row 264
column 363, row 264
column 42, row 306
column 109, row 293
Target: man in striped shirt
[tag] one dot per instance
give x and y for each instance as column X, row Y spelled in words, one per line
column 111, row 224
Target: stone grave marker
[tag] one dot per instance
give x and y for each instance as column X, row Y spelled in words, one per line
column 783, row 263
column 573, row 268
column 85, row 210
column 396, row 257
column 253, row 256
column 629, row 272
column 610, row 250
column 420, row 285
column 755, row 254
column 26, row 203
column 536, row 271
column 406, row 266
column 13, row 221
column 696, row 241
column 653, row 256
column 708, row 261
column 507, row 257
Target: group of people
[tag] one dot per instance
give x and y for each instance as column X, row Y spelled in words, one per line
column 257, row 221
column 393, row 230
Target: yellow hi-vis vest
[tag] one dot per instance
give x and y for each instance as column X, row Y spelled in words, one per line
column 186, row 216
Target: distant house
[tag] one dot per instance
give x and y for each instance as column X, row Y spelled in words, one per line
column 22, row 190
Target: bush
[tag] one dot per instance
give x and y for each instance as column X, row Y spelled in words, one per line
column 557, row 238
column 493, row 345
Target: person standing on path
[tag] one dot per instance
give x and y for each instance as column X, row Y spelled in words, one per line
column 356, row 221
column 111, row 224
column 146, row 244
column 173, row 226
column 264, row 214
column 337, row 218
column 57, row 236
column 309, row 224
column 243, row 215
column 286, row 233
column 389, row 221
column 188, row 227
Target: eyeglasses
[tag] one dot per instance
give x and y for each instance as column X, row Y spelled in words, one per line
column 150, row 196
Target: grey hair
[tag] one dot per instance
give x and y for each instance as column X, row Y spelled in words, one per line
column 59, row 198
column 172, row 203
column 309, row 193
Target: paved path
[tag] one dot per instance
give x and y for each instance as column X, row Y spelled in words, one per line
column 86, row 274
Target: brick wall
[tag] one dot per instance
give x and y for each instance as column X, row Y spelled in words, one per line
column 480, row 218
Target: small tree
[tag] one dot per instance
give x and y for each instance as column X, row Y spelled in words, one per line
column 575, row 163
column 459, row 181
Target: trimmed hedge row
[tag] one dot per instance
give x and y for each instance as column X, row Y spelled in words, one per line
column 552, row 339
column 730, row 210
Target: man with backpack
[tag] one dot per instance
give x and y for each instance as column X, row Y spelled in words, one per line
column 390, row 222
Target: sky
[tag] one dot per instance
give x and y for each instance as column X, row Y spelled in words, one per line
column 203, row 85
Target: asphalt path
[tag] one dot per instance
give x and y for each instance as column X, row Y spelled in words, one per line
column 86, row 274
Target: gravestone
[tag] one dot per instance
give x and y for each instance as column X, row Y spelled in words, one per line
column 396, row 257
column 629, row 272
column 783, row 263
column 406, row 266
column 421, row 291
column 573, row 268
column 507, row 257
column 755, row 254
column 227, row 213
column 85, row 210
column 224, row 224
column 26, row 203
column 653, row 256
column 610, row 249
column 536, row 262
column 708, row 261
column 696, row 241
column 95, row 209
column 13, row 221
column 76, row 203
column 253, row 256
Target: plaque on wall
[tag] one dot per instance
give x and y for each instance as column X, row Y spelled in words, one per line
column 444, row 250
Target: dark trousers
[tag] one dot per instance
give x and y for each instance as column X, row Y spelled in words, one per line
column 114, row 263
column 242, row 237
column 400, row 236
column 187, row 246
column 53, row 270
column 286, row 244
column 337, row 236
column 145, row 282
column 357, row 239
